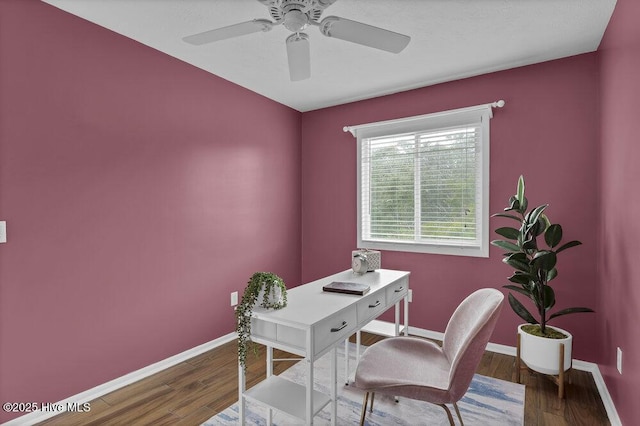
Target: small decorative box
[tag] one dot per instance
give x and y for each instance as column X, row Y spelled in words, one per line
column 374, row 258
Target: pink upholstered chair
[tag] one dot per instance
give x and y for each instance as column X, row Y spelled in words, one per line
column 419, row 369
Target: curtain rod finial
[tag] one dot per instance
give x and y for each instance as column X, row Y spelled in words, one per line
column 498, row 104
column 349, row 129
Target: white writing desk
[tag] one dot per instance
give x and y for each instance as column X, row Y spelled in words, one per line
column 313, row 324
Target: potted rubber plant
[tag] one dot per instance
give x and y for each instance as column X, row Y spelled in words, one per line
column 269, row 291
column 531, row 248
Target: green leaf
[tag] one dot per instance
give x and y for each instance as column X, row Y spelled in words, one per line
column 518, row 261
column 533, row 215
column 551, row 274
column 545, row 260
column 520, row 278
column 514, row 204
column 507, row 245
column 547, row 223
column 568, row 245
column 520, row 191
column 518, row 289
column 507, row 232
column 521, row 311
column 570, row 311
column 553, row 235
column 530, row 244
column 523, row 205
column 541, row 226
column 549, row 297
column 510, row 216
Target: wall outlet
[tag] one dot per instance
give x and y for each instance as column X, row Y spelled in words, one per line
column 3, row 231
column 619, row 360
column 410, row 297
column 234, row 298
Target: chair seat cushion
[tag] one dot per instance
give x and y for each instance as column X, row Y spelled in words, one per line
column 405, row 366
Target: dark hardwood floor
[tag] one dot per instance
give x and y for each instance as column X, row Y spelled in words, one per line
column 195, row 390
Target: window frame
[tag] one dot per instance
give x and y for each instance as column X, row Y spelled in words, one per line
column 472, row 116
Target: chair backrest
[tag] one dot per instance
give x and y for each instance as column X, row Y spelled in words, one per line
column 467, row 335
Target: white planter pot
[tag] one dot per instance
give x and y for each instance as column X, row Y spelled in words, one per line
column 275, row 297
column 541, row 354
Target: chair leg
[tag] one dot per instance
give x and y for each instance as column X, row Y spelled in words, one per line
column 364, row 408
column 455, row 405
column 448, row 414
column 373, row 394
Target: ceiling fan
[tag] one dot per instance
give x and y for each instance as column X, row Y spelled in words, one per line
column 296, row 15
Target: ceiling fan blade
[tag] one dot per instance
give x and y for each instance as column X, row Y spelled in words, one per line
column 367, row 35
column 230, row 31
column 299, row 56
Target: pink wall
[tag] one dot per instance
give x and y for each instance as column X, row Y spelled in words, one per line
column 619, row 291
column 135, row 192
column 138, row 191
column 547, row 131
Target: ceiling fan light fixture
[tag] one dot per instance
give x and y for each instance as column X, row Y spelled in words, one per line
column 295, row 20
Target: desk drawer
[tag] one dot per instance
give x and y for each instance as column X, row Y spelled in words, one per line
column 334, row 329
column 371, row 306
column 397, row 291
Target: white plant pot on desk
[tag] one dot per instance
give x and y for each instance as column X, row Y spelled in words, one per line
column 541, row 354
column 275, row 296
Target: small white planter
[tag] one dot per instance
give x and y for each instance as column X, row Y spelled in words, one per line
column 541, row 354
column 276, row 296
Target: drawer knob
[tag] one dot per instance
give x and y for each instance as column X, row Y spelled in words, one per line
column 375, row 304
column 340, row 327
column 399, row 289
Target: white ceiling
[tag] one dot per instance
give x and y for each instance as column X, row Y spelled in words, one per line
column 450, row 39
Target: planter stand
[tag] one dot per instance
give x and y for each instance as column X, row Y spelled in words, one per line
column 558, row 380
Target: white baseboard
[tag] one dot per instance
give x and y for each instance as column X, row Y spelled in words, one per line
column 376, row 327
column 590, row 367
column 127, row 379
column 593, row 368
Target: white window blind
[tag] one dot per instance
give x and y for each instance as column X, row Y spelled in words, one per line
column 423, row 183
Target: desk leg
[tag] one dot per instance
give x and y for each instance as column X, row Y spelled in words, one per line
column 346, row 362
column 241, row 389
column 397, row 318
column 334, row 386
column 406, row 322
column 309, row 391
column 358, row 343
column 406, row 314
column 269, row 374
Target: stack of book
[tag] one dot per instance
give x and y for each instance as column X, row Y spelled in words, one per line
column 347, row 288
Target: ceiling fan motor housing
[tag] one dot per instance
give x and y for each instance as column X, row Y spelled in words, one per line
column 312, row 9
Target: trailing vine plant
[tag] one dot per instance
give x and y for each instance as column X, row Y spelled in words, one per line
column 271, row 283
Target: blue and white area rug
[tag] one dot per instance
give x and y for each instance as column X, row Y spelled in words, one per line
column 489, row 401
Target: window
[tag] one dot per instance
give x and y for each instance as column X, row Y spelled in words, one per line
column 423, row 183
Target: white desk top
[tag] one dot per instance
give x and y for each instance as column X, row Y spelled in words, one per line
column 308, row 304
